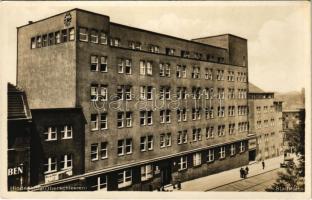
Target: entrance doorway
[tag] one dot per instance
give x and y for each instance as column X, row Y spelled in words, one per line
column 252, row 155
column 165, row 174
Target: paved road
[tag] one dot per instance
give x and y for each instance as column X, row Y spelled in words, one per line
column 256, row 183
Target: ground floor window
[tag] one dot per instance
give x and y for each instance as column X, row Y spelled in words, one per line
column 100, row 183
column 182, row 163
column 196, row 159
column 146, row 172
column 124, row 178
column 222, row 152
column 210, row 155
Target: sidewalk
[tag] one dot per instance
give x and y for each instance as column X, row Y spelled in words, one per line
column 216, row 180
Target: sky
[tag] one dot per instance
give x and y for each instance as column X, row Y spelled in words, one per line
column 278, row 32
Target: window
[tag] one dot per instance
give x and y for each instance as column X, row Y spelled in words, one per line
column 146, row 92
column 196, row 113
column 231, row 129
column 154, row 48
column 195, row 72
column 67, row 132
column 71, row 34
column 83, row 34
column 94, row 92
column 94, row 63
column 221, row 130
column 210, row 155
column 115, row 42
column 94, row 37
column 66, row 161
column 124, row 147
column 51, row 39
column 182, row 164
column 128, row 119
column 146, row 67
column 150, row 142
column 57, row 37
column 231, row 93
column 103, row 122
column 185, row 54
column 222, row 152
column 221, row 111
column 50, row 165
column 103, row 38
column 146, row 172
column 167, row 70
column 38, row 42
column 231, row 76
column 51, row 134
column 101, row 183
column 164, row 69
column 181, row 71
column 170, row 51
column 124, row 90
column 146, row 118
column 64, row 35
column 181, row 115
column 94, row 152
column 196, row 92
column 134, row 45
column 124, row 178
column 182, row 137
column 211, row 113
column 197, row 159
column 208, row 74
column 209, row 132
column 120, row 119
column 231, row 111
column 165, row 140
column 220, row 75
column 103, row 93
column 44, row 40
column 165, row 116
column 146, row 143
column 33, row 43
column 103, row 151
column 196, row 135
column 124, row 66
column 232, row 149
column 103, row 64
column 181, row 92
column 221, row 93
column 164, row 92
column 94, row 122
column 242, row 147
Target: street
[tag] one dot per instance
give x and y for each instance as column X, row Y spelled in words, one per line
column 256, row 183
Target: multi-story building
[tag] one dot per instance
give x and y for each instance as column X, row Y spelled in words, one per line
column 265, row 119
column 156, row 106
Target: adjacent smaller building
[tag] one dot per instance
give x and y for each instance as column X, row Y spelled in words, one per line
column 265, row 120
column 19, row 137
column 293, row 118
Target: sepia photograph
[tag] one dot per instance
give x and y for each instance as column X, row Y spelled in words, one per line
column 155, row 98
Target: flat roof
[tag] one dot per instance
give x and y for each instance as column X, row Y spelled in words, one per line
column 130, row 27
column 219, row 36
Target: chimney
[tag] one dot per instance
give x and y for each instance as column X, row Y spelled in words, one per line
column 30, row 22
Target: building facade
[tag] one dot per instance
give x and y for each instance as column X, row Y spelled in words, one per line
column 156, row 107
column 265, row 115
column 19, row 140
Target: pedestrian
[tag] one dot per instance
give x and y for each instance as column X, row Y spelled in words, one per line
column 244, row 173
column 247, row 170
column 241, row 172
column 263, row 164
